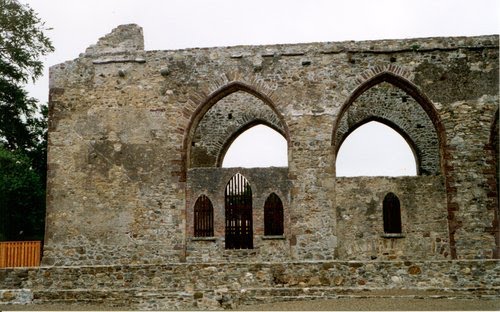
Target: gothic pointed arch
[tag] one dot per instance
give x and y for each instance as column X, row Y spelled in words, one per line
column 228, row 142
column 398, row 103
column 386, row 122
column 230, row 115
column 398, row 79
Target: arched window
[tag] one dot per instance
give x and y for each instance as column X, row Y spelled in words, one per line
column 375, row 149
column 273, row 215
column 238, row 201
column 259, row 146
column 392, row 214
column 203, row 217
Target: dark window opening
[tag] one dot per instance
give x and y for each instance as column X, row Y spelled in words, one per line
column 392, row 214
column 273, row 215
column 203, row 217
column 238, row 206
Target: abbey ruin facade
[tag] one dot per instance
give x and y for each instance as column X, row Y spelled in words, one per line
column 137, row 136
column 136, row 141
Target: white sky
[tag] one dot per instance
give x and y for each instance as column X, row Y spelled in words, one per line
column 176, row 24
column 388, row 149
column 269, row 150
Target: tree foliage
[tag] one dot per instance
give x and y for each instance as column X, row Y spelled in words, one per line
column 22, row 44
column 22, row 198
column 23, row 124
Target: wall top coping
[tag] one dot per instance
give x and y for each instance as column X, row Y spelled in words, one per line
column 128, row 39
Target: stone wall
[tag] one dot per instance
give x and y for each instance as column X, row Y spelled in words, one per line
column 123, row 135
column 423, row 218
column 229, row 285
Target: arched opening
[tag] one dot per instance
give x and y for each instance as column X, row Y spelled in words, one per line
column 231, row 108
column 238, row 209
column 273, row 216
column 392, row 214
column 400, row 104
column 375, row 149
column 203, row 217
column 258, row 146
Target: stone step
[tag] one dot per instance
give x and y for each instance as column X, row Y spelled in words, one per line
column 15, row 296
column 161, row 298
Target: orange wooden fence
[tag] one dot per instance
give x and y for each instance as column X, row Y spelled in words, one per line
column 20, row 254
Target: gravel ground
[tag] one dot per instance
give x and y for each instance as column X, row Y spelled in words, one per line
column 358, row 304
column 381, row 304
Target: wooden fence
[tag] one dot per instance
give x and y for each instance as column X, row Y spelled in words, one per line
column 20, row 254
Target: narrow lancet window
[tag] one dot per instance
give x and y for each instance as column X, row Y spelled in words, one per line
column 203, row 217
column 392, row 214
column 273, row 215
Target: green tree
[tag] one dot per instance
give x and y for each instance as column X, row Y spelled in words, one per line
column 22, row 198
column 22, row 44
column 23, row 123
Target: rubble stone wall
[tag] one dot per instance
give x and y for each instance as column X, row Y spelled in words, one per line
column 229, row 285
column 423, row 217
column 125, row 126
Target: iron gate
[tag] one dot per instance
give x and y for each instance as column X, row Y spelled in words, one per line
column 238, row 200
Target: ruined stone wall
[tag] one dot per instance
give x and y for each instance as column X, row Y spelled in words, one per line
column 123, row 122
column 423, row 217
column 230, row 285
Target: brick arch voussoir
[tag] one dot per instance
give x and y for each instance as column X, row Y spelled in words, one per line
column 230, row 136
column 394, row 126
column 200, row 101
column 400, row 78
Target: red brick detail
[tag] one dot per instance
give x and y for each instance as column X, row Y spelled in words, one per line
column 176, row 162
column 453, row 207
column 374, row 71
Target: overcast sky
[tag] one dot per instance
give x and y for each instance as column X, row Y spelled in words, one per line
column 177, row 24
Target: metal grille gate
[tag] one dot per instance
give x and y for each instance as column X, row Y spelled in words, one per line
column 238, row 200
column 203, row 217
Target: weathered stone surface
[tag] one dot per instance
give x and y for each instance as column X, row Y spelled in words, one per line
column 228, row 285
column 129, row 128
column 423, row 216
